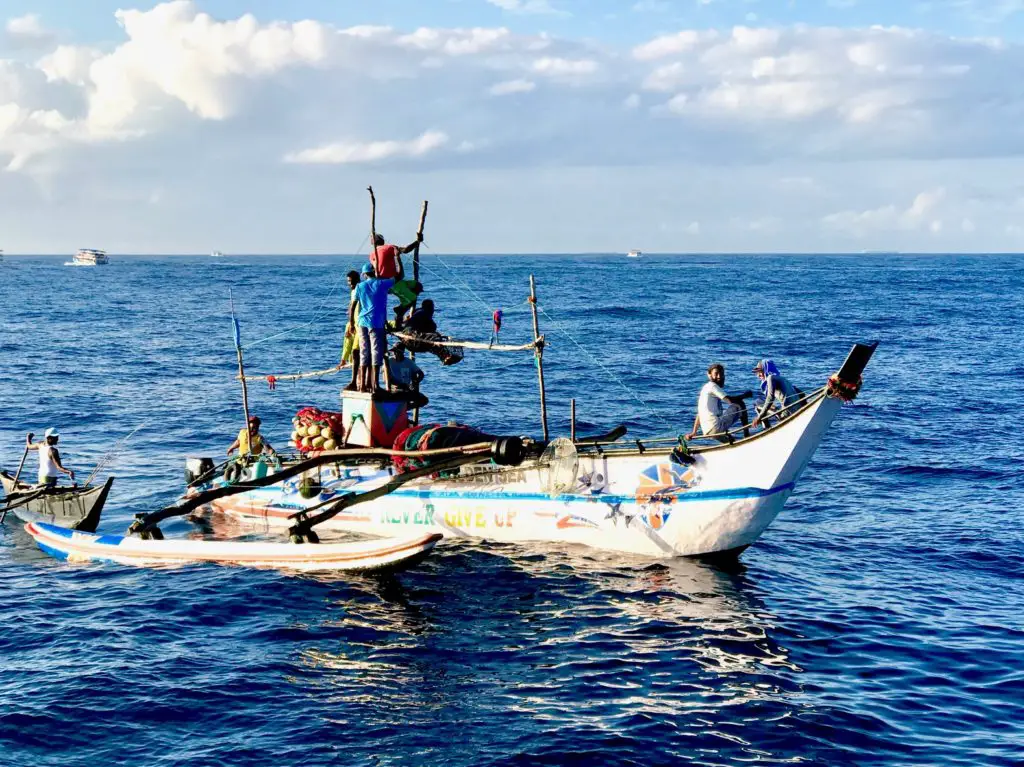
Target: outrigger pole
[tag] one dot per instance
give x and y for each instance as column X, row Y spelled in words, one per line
column 538, row 341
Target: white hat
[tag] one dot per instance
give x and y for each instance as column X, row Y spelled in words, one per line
column 51, row 432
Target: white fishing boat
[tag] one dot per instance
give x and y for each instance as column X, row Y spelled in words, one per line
column 89, row 257
column 216, row 254
column 634, row 254
column 643, row 497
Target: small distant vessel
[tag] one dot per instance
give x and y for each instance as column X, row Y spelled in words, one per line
column 89, row 257
column 1, row 255
column 217, row 254
column 634, row 254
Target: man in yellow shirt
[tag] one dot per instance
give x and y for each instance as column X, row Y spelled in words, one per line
column 250, row 441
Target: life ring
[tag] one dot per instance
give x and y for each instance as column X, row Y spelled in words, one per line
column 233, row 473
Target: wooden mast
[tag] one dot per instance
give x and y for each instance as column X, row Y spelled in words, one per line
column 241, row 369
column 538, row 341
column 416, row 299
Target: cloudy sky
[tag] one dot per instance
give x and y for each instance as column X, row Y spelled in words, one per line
column 252, row 126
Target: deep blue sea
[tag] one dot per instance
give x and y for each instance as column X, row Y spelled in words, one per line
column 880, row 620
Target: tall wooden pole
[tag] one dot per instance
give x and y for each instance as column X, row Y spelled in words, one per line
column 416, row 299
column 539, row 355
column 419, row 236
column 241, row 368
column 373, row 222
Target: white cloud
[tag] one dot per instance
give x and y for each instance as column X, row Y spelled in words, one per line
column 344, row 152
column 924, row 213
column 526, row 6
column 28, row 31
column 511, row 86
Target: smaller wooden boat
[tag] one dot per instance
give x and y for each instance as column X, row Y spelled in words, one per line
column 358, row 556
column 78, row 508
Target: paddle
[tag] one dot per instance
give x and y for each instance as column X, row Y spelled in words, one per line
column 14, row 488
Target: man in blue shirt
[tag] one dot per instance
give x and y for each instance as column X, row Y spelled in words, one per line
column 368, row 313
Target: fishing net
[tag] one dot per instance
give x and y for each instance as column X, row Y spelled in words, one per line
column 316, row 429
column 433, row 437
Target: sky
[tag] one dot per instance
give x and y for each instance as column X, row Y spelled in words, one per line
column 531, row 126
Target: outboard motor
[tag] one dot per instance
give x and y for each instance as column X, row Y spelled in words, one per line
column 196, row 468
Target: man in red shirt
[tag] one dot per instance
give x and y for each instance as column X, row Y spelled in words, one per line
column 387, row 259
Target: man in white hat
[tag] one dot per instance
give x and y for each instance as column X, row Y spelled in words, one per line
column 49, row 458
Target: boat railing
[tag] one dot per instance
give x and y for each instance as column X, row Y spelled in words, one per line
column 733, row 436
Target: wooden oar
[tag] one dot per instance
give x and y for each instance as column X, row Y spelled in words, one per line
column 14, row 487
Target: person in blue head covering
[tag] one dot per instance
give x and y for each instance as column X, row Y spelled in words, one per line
column 777, row 394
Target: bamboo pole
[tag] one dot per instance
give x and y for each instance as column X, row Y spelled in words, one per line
column 539, row 356
column 373, row 224
column 572, row 420
column 416, row 299
column 241, row 368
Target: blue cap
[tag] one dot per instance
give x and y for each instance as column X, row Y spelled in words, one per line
column 367, row 268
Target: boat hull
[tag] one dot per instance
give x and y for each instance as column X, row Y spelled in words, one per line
column 359, row 556
column 643, row 503
column 74, row 508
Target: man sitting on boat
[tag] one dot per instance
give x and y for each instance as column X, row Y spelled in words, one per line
column 50, row 466
column 421, row 324
column 369, row 313
column 403, row 373
column 777, row 393
column 250, row 441
column 717, row 412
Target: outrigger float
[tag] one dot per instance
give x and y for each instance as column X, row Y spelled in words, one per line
column 659, row 497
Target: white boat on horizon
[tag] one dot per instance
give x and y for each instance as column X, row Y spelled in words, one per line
column 634, row 254
column 216, row 254
column 89, row 257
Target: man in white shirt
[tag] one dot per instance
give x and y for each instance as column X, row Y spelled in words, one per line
column 717, row 412
column 49, row 458
column 403, row 373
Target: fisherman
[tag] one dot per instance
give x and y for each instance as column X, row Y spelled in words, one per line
column 403, row 373
column 422, row 320
column 250, row 441
column 49, row 457
column 386, row 259
column 717, row 411
column 369, row 314
column 777, row 394
column 421, row 324
column 406, row 292
column 350, row 349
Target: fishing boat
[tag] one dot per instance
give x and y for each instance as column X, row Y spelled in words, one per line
column 89, row 257
column 634, row 254
column 350, row 556
column 647, row 497
column 216, row 254
column 76, row 508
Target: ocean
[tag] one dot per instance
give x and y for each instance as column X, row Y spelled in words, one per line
column 877, row 621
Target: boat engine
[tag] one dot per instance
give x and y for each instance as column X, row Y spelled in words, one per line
column 196, row 468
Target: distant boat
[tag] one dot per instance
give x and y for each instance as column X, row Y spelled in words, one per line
column 1, row 255
column 88, row 257
column 634, row 254
column 217, row 254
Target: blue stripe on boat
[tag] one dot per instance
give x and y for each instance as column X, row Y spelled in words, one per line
column 55, row 553
column 692, row 495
